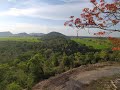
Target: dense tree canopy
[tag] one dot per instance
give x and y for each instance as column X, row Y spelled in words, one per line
column 38, row 61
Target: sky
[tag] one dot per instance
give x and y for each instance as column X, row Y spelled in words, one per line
column 41, row 16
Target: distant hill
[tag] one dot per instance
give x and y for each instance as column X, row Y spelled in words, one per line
column 61, row 43
column 56, row 34
column 21, row 34
column 36, row 34
column 5, row 34
column 53, row 35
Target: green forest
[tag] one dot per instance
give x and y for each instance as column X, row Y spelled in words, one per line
column 26, row 61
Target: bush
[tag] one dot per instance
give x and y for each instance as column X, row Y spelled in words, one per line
column 13, row 86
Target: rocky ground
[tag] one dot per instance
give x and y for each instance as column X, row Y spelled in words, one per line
column 79, row 78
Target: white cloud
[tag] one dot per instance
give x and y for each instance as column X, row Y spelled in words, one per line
column 45, row 11
column 18, row 12
column 54, row 12
column 24, row 27
column 67, row 1
column 11, row 0
column 36, row 28
column 30, row 28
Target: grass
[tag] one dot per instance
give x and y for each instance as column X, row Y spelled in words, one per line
column 96, row 43
column 27, row 39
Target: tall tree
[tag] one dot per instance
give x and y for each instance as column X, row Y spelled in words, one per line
column 104, row 15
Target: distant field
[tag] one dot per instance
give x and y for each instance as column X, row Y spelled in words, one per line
column 94, row 42
column 27, row 39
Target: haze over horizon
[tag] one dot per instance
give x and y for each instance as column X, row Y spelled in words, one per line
column 41, row 16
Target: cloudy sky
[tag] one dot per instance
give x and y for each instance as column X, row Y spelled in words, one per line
column 40, row 16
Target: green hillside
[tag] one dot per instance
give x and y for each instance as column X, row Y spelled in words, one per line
column 24, row 61
column 97, row 43
column 27, row 39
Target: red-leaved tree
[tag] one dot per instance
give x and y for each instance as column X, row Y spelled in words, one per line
column 104, row 15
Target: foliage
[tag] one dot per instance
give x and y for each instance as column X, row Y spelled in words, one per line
column 33, row 62
column 104, row 15
column 115, row 42
column 9, row 50
column 13, row 86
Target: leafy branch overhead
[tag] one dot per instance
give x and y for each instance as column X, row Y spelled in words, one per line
column 103, row 15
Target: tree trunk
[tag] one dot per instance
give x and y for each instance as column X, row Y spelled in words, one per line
column 77, row 33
